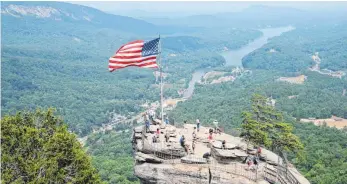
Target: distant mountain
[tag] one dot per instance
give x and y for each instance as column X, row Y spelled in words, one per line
column 256, row 16
column 77, row 14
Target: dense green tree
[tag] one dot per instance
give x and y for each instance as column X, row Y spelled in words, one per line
column 36, row 147
column 264, row 125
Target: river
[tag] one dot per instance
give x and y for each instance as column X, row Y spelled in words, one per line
column 234, row 57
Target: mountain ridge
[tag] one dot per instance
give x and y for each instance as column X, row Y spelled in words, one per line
column 74, row 13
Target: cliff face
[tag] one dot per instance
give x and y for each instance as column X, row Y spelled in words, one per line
column 166, row 161
column 183, row 173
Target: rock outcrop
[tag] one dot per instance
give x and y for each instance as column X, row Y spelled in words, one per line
column 160, row 158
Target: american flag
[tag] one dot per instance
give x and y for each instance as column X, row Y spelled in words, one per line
column 136, row 53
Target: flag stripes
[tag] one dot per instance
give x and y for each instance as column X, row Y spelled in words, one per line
column 136, row 53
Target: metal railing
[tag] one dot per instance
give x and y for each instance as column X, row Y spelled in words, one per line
column 279, row 174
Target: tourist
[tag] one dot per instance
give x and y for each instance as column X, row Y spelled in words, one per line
column 147, row 116
column 147, row 125
column 194, row 135
column 250, row 164
column 210, row 137
column 193, row 146
column 154, row 138
column 215, row 123
column 255, row 161
column 210, row 131
column 259, row 151
column 158, row 132
column 182, row 140
column 183, row 144
column 206, row 156
column 223, row 144
column 198, row 124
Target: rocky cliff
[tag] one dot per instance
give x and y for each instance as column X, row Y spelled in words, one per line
column 165, row 161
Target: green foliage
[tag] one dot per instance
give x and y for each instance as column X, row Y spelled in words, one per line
column 254, row 131
column 325, row 159
column 37, row 148
column 264, row 125
column 111, row 153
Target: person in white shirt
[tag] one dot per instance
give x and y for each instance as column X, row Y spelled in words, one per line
column 198, row 124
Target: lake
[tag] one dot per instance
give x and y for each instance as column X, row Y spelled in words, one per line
column 234, row 57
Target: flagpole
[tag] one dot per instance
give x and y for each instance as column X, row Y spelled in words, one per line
column 161, row 83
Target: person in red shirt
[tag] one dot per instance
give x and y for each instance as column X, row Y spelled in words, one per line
column 210, row 137
column 259, row 151
column 158, row 132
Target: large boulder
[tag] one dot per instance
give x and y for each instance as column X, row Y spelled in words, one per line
column 217, row 144
column 223, row 153
column 147, row 158
column 270, row 157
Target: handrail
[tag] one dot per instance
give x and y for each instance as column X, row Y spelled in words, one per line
column 173, row 156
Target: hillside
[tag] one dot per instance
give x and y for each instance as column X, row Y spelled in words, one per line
column 77, row 14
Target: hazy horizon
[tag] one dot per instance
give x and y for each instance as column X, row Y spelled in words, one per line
column 172, row 9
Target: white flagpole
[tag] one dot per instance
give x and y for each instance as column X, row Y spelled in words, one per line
column 161, row 83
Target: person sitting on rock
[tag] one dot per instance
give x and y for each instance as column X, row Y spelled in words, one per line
column 154, row 139
column 206, row 156
column 183, row 143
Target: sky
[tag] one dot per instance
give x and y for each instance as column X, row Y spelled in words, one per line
column 177, row 8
